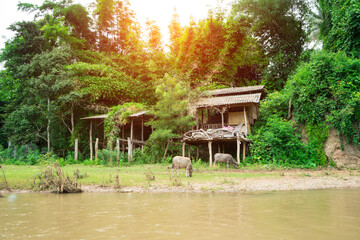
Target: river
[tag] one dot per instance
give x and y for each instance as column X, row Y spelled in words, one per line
column 320, row 214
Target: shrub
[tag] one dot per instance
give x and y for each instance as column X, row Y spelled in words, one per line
column 278, row 142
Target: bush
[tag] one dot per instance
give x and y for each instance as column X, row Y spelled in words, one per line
column 327, row 90
column 278, row 142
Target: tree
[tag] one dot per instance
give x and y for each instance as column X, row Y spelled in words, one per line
column 116, row 26
column 171, row 117
column 280, row 29
column 175, row 31
column 154, row 36
column 340, row 26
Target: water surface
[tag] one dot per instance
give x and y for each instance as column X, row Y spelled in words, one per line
column 325, row 214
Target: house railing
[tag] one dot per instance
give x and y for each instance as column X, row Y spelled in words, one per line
column 210, row 126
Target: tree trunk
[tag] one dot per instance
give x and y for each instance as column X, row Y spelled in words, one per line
column 72, row 119
column 48, row 127
column 166, row 149
column 76, row 149
column 96, row 148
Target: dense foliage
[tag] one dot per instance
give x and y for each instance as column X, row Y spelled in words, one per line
column 71, row 62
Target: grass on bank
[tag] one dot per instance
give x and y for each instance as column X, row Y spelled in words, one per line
column 21, row 177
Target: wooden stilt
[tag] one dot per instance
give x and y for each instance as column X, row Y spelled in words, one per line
column 189, row 151
column 210, row 153
column 96, row 148
column 132, row 130
column 197, row 153
column 91, row 146
column 244, row 151
column 218, row 147
column 76, row 149
column 183, row 149
column 117, row 150
column 129, row 150
column 222, row 119
column 238, row 146
column 246, row 121
column 123, row 137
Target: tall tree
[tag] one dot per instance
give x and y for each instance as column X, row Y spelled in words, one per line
column 279, row 27
column 340, row 26
column 175, row 31
column 117, row 28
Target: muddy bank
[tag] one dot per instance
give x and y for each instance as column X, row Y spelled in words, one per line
column 276, row 180
column 292, row 180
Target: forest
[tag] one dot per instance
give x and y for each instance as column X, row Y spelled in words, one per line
column 71, row 62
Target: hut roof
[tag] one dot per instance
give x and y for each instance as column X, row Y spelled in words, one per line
column 138, row 114
column 228, row 100
column 236, row 90
column 103, row 116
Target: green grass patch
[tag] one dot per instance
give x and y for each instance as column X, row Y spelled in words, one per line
column 21, row 177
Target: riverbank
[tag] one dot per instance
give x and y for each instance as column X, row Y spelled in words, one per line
column 246, row 185
column 158, row 178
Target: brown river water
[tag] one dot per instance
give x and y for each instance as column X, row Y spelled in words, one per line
column 320, row 214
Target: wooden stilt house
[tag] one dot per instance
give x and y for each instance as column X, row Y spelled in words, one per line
column 134, row 134
column 225, row 116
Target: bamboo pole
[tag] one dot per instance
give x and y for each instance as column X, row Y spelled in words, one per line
column 210, row 152
column 48, row 127
column 132, row 130
column 129, row 150
column 238, row 146
column 76, row 149
column 246, row 122
column 117, row 150
column 123, row 137
column 96, row 148
column 189, row 151
column 90, row 136
column 183, row 149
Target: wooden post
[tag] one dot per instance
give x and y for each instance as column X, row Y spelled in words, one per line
column 244, row 151
column 218, row 148
column 91, row 146
column 48, row 127
column 117, row 150
column 210, row 153
column 129, row 150
column 109, row 145
column 238, row 146
column 123, row 137
column 96, row 148
column 183, row 149
column 76, row 149
column 197, row 119
column 132, row 130
column 246, row 122
column 189, row 151
column 222, row 111
column 197, row 153
column 202, row 118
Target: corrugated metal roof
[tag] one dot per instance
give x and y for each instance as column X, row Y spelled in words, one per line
column 103, row 116
column 138, row 114
column 235, row 90
column 228, row 100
